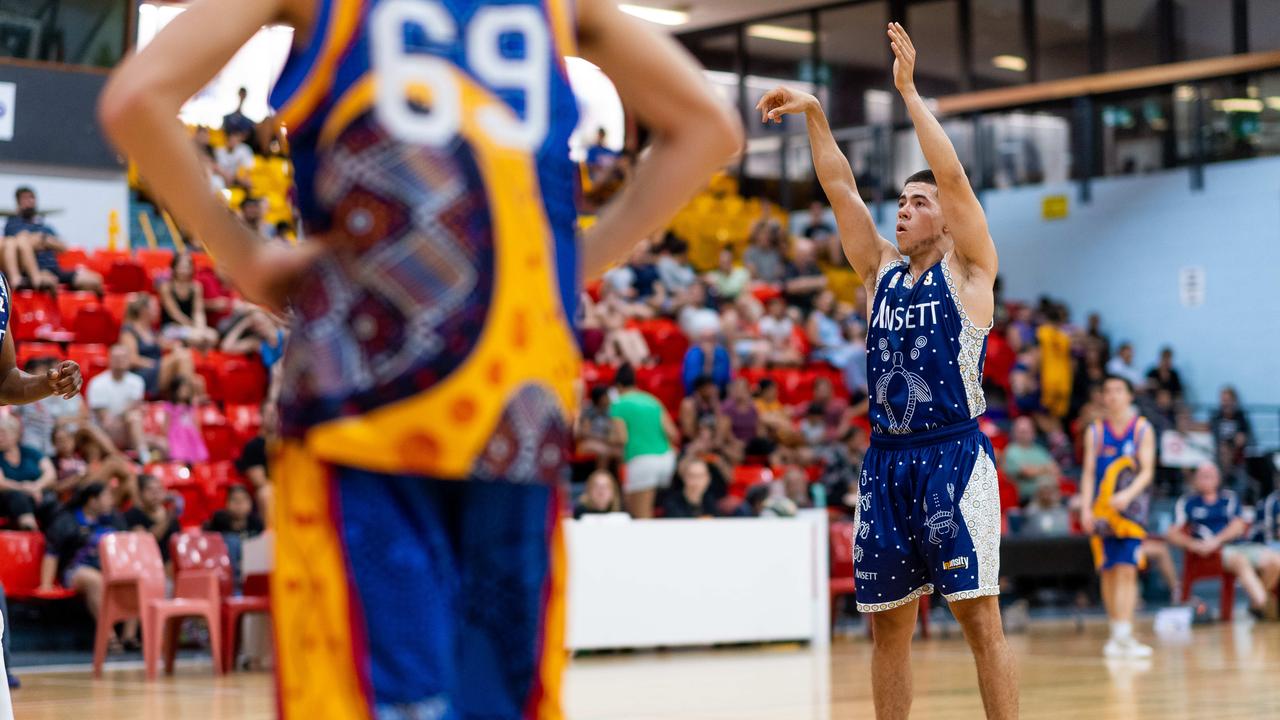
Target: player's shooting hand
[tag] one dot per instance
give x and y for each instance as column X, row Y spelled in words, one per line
column 64, row 379
column 784, row 101
column 904, row 54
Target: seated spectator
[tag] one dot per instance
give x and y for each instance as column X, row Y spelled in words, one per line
column 702, row 407
column 778, row 330
column 763, row 256
column 1208, row 520
column 774, row 416
column 818, row 226
column 151, row 514
column 594, row 432
column 837, row 413
column 1046, row 514
column 690, row 498
column 1027, row 462
column 728, row 280
column 31, row 249
column 739, row 408
column 704, row 446
column 803, row 280
column 648, row 434
column 251, row 215
column 71, row 468
column 843, row 467
column 236, row 159
column 1164, row 376
column 27, row 478
column 600, row 496
column 182, row 306
column 618, row 343
column 795, row 486
column 42, row 417
column 638, row 280
column 674, row 270
column 695, row 316
column 185, row 441
column 115, row 398
column 1231, row 431
column 71, row 550
column 813, row 427
column 1122, row 365
column 256, row 333
column 104, row 463
column 855, row 370
column 826, row 333
column 146, row 356
column 236, row 522
column 707, row 358
column 253, row 464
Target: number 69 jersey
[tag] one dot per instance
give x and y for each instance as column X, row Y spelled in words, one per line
column 430, row 142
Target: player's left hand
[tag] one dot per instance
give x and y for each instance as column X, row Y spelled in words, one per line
column 904, row 54
column 64, row 379
column 1120, row 501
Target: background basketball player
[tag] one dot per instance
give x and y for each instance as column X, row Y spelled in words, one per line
column 432, row 339
column 929, row 505
column 1119, row 464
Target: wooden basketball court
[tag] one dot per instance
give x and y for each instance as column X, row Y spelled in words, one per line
column 1223, row 672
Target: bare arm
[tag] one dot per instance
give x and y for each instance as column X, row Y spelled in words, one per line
column 1146, row 466
column 197, row 307
column 673, row 432
column 862, row 244
column 48, row 475
column 694, row 133
column 170, row 303
column 19, row 388
column 1086, row 480
column 965, row 218
column 48, row 569
column 139, row 112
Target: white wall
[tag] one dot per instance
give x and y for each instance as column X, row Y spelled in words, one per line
column 85, row 199
column 1121, row 254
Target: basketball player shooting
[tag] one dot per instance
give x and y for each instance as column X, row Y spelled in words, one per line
column 432, row 367
column 929, row 506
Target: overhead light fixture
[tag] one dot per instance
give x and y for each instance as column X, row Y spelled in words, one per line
column 781, row 34
column 1010, row 62
column 1273, row 102
column 659, row 16
column 1249, row 105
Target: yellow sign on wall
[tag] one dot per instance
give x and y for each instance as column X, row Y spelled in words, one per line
column 1054, row 207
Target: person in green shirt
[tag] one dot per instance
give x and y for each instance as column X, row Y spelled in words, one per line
column 1026, row 461
column 648, row 436
column 728, row 281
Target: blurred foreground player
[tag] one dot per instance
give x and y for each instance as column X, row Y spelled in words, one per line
column 928, row 512
column 432, row 340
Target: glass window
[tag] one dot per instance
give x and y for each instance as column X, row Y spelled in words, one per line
column 1203, row 29
column 78, row 32
column 1133, row 33
column 935, row 31
column 779, row 52
column 1062, row 32
column 1241, row 118
column 999, row 44
column 1028, row 147
column 1137, row 133
column 717, row 52
column 908, row 158
column 1264, row 25
column 855, row 57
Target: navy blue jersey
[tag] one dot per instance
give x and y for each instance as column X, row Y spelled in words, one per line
column 924, row 354
column 1204, row 519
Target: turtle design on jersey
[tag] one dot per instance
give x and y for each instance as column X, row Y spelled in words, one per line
column 917, row 388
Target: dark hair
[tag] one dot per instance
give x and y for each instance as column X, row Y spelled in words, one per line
column 702, row 381
column 85, row 494
column 598, row 393
column 177, row 258
column 23, row 190
column 626, row 376
column 36, row 365
column 816, row 409
column 924, row 176
column 236, row 490
column 145, row 480
column 250, row 201
column 1166, row 350
column 765, row 384
column 757, row 495
column 1127, row 384
column 175, row 385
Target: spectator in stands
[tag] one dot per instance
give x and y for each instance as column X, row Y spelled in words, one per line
column 1231, row 430
column 803, row 279
column 694, row 316
column 692, row 499
column 115, row 398
column 1097, row 338
column 151, row 514
column 31, row 249
column 185, row 442
column 236, row 522
column 1267, row 523
column 703, row 407
column 728, row 280
column 219, row 180
column 236, row 159
column 599, row 155
column 236, row 121
column 764, row 256
column 1208, row 520
column 648, row 434
column 258, row 333
column 182, row 306
column 251, row 215
column 744, row 419
column 826, row 333
column 674, row 270
column 153, row 362
column 1122, row 365
column 600, row 496
column 1090, row 373
column 1055, row 362
column 795, row 486
column 104, row 463
column 70, row 466
column 594, row 431
column 774, row 416
column 842, row 468
column 1164, row 376
column 27, row 478
column 71, row 550
column 1027, row 462
column 855, row 370
column 818, row 226
column 618, row 343
column 42, row 417
column 705, row 447
column 837, row 413
column 1046, row 514
column 638, row 281
column 707, row 358
column 778, row 330
column 253, row 464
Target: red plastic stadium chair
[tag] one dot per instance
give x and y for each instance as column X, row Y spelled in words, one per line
column 126, row 276
column 93, row 359
column 72, row 258
column 746, row 476
column 69, row 304
column 94, row 324
column 199, row 555
column 102, row 260
column 29, row 350
column 245, row 419
column 21, row 554
column 240, row 380
column 1196, row 568
column 155, row 262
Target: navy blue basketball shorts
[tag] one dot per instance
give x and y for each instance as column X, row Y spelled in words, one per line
column 928, row 516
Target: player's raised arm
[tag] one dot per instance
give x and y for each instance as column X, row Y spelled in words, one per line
column 862, row 244
column 965, row 218
column 694, row 132
column 139, row 112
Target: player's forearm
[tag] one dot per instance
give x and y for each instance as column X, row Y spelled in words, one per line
column 939, row 153
column 858, row 235
column 19, row 388
column 829, row 164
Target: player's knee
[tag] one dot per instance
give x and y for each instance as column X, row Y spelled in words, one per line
column 892, row 628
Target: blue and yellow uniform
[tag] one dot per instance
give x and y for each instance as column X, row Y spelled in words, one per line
column 1118, row 534
column 431, row 367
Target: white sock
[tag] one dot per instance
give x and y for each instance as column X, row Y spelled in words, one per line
column 1121, row 630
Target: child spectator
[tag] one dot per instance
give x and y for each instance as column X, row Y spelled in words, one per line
column 186, row 444
column 71, row 553
column 594, row 431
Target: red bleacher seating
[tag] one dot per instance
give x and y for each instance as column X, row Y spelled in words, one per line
column 72, row 258
column 32, row 349
column 21, row 554
column 594, row 375
column 239, row 380
column 93, row 324
column 663, row 382
column 70, row 302
column 102, row 260
column 245, row 419
column 155, row 262
column 745, row 476
column 93, row 359
column 666, row 341
column 126, row 276
column 197, row 506
column 34, row 316
column 116, row 303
